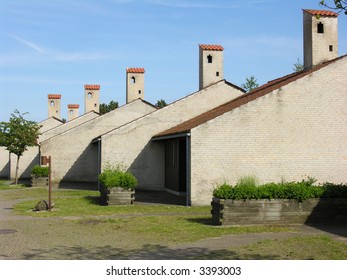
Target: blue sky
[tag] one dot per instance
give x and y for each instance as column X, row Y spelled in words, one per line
column 58, row 46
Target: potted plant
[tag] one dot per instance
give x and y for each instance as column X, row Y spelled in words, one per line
column 39, row 176
column 117, row 186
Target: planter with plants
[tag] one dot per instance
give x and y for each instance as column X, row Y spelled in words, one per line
column 117, row 186
column 39, row 176
column 285, row 203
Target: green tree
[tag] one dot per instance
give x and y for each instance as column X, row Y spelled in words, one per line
column 17, row 135
column 105, row 108
column 250, row 84
column 298, row 66
column 339, row 5
column 161, row 103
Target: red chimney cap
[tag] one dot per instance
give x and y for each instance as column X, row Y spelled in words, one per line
column 135, row 70
column 54, row 96
column 211, row 47
column 73, row 106
column 92, row 87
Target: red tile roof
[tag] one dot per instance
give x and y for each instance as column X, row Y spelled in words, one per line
column 135, row 70
column 321, row 13
column 185, row 127
column 92, row 87
column 54, row 96
column 211, row 47
column 73, row 106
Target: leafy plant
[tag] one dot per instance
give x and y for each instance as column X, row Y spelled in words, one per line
column 39, row 171
column 113, row 177
column 299, row 191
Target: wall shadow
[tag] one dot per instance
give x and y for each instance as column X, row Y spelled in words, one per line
column 83, row 174
column 330, row 215
column 26, row 174
column 147, row 252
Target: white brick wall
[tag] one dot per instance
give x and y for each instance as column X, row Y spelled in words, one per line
column 74, row 158
column 299, row 130
column 131, row 145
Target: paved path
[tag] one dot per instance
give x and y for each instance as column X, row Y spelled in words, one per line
column 17, row 244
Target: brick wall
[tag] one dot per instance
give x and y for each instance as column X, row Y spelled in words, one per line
column 131, row 145
column 74, row 158
column 299, row 130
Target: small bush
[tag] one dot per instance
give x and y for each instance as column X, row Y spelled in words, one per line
column 39, row 171
column 115, row 177
column 299, row 191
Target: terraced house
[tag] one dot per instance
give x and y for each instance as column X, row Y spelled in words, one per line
column 290, row 127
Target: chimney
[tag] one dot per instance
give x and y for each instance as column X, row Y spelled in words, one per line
column 91, row 98
column 320, row 36
column 54, row 105
column 135, row 84
column 210, row 65
column 72, row 111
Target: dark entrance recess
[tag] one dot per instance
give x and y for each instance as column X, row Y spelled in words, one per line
column 176, row 165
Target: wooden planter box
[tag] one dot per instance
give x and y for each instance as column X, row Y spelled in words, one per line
column 117, row 196
column 39, row 181
column 279, row 211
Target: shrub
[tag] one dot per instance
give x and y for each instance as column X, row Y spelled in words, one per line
column 286, row 190
column 39, row 171
column 115, row 177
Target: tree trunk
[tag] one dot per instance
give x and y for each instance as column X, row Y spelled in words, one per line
column 17, row 168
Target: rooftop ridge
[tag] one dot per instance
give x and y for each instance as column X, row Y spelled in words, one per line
column 73, row 106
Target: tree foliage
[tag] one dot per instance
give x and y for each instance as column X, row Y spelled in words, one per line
column 161, row 103
column 250, row 84
column 298, row 66
column 105, row 108
column 339, row 5
column 17, row 135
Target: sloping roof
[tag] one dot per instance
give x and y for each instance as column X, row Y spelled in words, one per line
column 73, row 106
column 325, row 13
column 269, row 87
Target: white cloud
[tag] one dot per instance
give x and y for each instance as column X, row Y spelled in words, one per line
column 27, row 43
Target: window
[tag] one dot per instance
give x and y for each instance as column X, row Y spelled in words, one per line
column 71, row 112
column 217, row 74
column 90, row 95
column 331, row 48
column 320, row 28
column 95, row 105
column 133, row 80
column 140, row 92
column 52, row 103
column 209, row 58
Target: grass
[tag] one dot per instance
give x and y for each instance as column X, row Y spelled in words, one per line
column 295, row 248
column 81, row 227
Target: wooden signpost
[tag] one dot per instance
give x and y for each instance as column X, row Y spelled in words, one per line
column 44, row 161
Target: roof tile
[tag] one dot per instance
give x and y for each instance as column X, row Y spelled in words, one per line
column 211, row 47
column 135, row 70
column 325, row 13
column 73, row 106
column 54, row 96
column 92, row 87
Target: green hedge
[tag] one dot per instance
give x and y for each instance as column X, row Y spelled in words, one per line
column 292, row 190
column 114, row 177
column 39, row 171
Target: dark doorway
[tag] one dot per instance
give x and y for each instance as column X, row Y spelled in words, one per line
column 176, row 165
